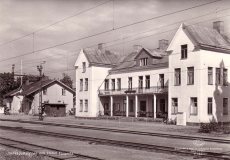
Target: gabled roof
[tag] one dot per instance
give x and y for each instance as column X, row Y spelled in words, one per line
column 128, row 60
column 95, row 56
column 206, row 36
column 31, row 88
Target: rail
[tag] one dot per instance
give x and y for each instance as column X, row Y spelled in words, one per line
column 137, row 90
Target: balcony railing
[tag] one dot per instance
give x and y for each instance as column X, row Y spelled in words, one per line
column 155, row 89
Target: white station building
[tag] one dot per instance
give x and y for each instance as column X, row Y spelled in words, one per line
column 185, row 80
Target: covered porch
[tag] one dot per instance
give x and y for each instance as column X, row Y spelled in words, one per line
column 135, row 105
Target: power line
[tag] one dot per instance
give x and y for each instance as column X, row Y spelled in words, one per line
column 138, row 34
column 55, row 23
column 107, row 31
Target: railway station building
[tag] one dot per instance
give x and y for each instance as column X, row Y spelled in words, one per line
column 186, row 79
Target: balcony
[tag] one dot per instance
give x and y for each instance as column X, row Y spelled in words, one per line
column 155, row 89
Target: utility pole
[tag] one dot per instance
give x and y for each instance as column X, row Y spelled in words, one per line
column 40, row 93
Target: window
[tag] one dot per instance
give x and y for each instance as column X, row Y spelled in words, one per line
column 114, row 107
column 225, row 77
column 147, row 82
column 210, row 75
column 63, row 91
column 177, row 77
column 194, row 106
column 118, row 84
column 81, row 84
column 106, row 106
column 140, row 82
column 225, row 106
column 113, row 84
column 161, row 80
column 118, row 107
column 217, row 76
column 143, row 61
column 83, row 67
column 81, row 106
column 190, row 75
column 209, row 105
column 106, row 84
column 184, row 51
column 124, row 104
column 130, row 83
column 86, row 84
column 174, row 105
column 86, row 105
column 45, row 91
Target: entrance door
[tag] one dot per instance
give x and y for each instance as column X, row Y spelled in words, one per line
column 142, row 108
column 162, row 105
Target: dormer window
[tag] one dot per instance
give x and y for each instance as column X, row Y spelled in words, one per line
column 83, row 67
column 143, row 61
column 184, row 51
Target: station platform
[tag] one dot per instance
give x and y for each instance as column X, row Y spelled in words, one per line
column 122, row 123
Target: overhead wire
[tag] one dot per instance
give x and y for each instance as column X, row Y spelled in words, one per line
column 108, row 31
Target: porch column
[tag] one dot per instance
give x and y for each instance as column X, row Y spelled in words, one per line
column 136, row 105
column 111, row 106
column 154, row 106
column 127, row 106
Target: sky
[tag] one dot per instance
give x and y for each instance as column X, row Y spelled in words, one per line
column 55, row 31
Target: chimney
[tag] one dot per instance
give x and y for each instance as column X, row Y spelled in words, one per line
column 137, row 48
column 219, row 26
column 101, row 47
column 163, row 44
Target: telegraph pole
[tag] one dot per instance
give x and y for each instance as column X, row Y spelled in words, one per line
column 40, row 93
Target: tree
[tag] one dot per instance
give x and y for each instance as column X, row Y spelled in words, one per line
column 67, row 80
column 7, row 83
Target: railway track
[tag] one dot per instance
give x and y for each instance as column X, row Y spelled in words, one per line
column 29, row 148
column 125, row 131
column 132, row 145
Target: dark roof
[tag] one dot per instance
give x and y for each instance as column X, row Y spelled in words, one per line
column 128, row 60
column 96, row 56
column 207, row 36
column 31, row 88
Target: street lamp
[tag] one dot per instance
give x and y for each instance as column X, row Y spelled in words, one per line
column 39, row 68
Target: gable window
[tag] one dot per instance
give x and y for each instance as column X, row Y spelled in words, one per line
column 45, row 91
column 184, row 51
column 81, row 84
column 113, row 84
column 83, row 67
column 106, row 84
column 190, row 75
column 147, row 82
column 143, row 61
column 86, row 105
column 193, row 106
column 63, row 91
column 209, row 105
column 81, row 106
column 118, row 84
column 225, row 106
column 225, row 77
column 86, row 84
column 161, row 80
column 217, row 76
column 130, row 83
column 174, row 105
column 177, row 77
column 210, row 75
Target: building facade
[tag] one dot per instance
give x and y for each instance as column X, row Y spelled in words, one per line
column 185, row 80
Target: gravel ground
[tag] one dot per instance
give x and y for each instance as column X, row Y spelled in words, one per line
column 100, row 151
